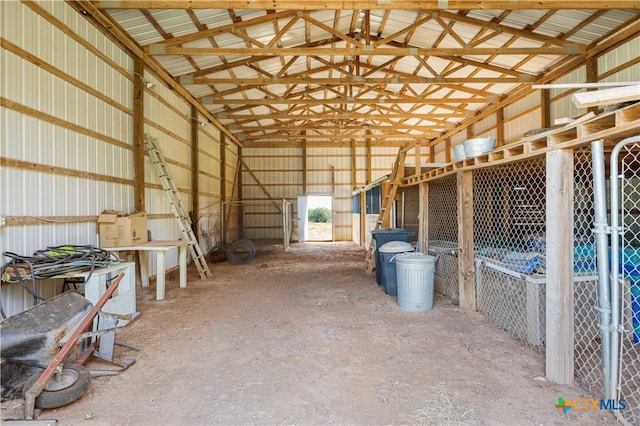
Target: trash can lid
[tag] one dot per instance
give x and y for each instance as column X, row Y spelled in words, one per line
column 392, row 231
column 415, row 258
column 395, row 247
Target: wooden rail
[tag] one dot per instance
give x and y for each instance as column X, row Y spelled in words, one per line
column 611, row 127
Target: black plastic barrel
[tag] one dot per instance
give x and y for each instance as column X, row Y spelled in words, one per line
column 388, row 253
column 383, row 236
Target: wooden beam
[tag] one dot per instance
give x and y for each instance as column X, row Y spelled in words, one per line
column 349, row 101
column 369, row 167
column 362, row 4
column 223, row 177
column 592, row 77
column 160, row 49
column 545, row 109
column 559, row 358
column 304, row 167
column 500, row 127
column 195, row 165
column 351, row 81
column 423, row 217
column 606, row 96
column 466, row 255
column 138, row 136
column 363, row 217
column 354, row 165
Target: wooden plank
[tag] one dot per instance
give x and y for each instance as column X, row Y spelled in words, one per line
column 559, row 358
column 362, row 4
column 54, row 170
column 57, row 121
column 627, row 123
column 195, row 165
column 40, row 220
column 606, row 96
column 466, row 265
column 157, row 49
column 138, row 137
column 423, row 215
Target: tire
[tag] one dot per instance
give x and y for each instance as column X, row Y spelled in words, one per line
column 76, row 382
column 241, row 252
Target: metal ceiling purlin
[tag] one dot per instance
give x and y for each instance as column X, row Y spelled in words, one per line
column 262, row 67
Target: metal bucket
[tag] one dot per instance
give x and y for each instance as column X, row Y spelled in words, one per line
column 458, row 152
column 477, row 146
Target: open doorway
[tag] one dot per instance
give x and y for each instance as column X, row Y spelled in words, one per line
column 316, row 218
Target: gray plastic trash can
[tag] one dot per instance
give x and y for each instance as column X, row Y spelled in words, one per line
column 388, row 253
column 415, row 274
column 383, row 236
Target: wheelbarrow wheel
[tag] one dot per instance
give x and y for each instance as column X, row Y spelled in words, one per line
column 70, row 385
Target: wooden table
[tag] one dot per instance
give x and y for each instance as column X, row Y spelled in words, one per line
column 160, row 248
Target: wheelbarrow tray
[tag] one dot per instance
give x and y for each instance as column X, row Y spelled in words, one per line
column 33, row 336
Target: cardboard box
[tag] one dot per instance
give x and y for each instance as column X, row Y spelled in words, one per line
column 117, row 229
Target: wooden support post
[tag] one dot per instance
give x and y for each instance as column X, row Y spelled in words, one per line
column 418, row 159
column 500, row 127
column 559, row 292
column 223, row 168
column 447, row 150
column 222, row 146
column 591, row 66
column 363, row 218
column 304, row 167
column 423, row 217
column 195, row 166
column 369, row 171
column 354, row 165
column 138, row 136
column 545, row 109
column 466, row 265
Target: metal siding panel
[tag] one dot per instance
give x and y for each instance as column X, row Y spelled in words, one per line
column 563, row 107
column 623, row 54
column 514, row 129
column 485, row 125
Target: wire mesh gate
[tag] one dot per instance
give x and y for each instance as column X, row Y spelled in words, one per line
column 265, row 220
column 625, row 278
column 443, row 235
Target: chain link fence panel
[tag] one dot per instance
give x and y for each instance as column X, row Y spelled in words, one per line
column 587, row 349
column 509, row 203
column 443, row 235
column 629, row 267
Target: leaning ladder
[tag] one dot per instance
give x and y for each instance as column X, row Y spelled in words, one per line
column 394, row 182
column 183, row 219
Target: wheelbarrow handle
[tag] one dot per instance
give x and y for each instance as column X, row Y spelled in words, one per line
column 63, row 353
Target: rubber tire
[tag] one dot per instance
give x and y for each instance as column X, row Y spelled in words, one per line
column 54, row 399
column 248, row 251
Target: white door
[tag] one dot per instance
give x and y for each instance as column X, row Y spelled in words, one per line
column 302, row 218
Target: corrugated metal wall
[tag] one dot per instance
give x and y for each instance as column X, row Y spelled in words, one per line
column 270, row 175
column 522, row 116
column 67, row 139
column 66, row 150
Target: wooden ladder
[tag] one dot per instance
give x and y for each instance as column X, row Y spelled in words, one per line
column 183, row 219
column 387, row 204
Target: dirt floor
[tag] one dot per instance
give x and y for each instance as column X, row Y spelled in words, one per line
column 307, row 337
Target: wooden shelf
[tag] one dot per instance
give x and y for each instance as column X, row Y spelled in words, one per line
column 612, row 127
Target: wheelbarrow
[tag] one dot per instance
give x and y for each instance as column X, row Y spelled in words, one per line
column 52, row 337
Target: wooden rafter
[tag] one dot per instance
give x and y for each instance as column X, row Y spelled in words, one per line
column 362, row 4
